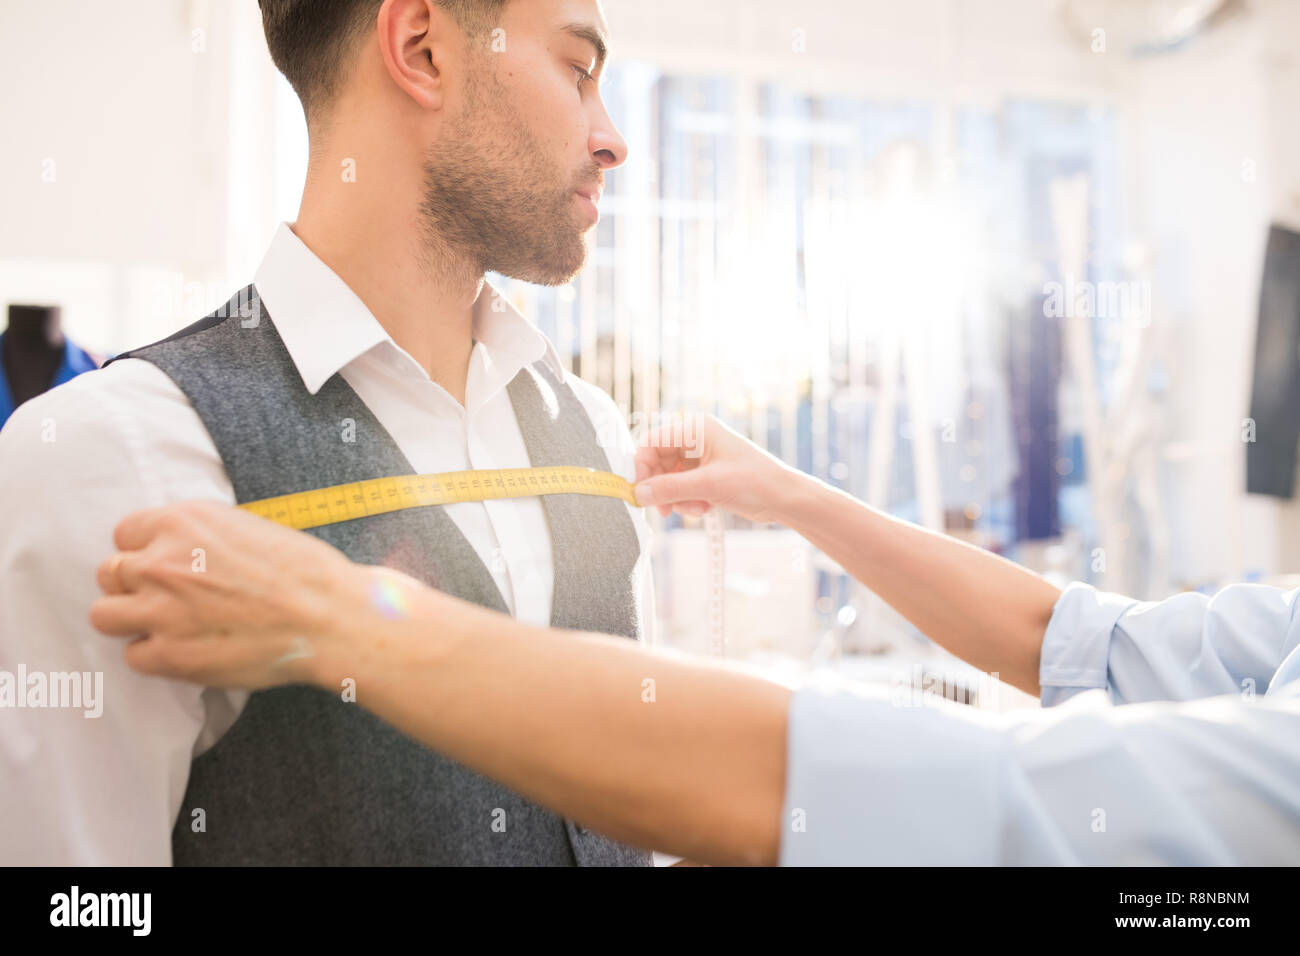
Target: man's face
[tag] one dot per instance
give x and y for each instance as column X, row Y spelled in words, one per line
column 503, row 179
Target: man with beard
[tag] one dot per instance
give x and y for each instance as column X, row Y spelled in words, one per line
column 449, row 138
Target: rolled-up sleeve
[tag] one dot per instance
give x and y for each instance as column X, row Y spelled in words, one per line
column 1184, row 648
column 1199, row 767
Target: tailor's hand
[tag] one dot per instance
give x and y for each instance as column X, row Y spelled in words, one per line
column 694, row 462
column 217, row 595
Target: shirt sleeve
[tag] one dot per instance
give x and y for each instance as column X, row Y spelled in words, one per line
column 1183, row 648
column 871, row 780
column 98, row 784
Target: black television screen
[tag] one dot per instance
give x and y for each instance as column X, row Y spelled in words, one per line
column 1274, row 430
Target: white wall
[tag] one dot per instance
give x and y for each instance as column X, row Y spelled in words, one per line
column 922, row 49
column 129, row 107
column 1217, row 160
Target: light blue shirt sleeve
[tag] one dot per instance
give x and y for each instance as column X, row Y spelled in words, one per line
column 1202, row 767
column 1183, row 648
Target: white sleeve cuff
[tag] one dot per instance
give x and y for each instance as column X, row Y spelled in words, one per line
column 1076, row 645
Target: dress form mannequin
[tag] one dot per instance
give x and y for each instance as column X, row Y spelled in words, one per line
column 35, row 355
column 32, row 349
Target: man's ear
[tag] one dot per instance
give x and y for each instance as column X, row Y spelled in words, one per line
column 419, row 42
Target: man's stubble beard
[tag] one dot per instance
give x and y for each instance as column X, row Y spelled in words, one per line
column 492, row 198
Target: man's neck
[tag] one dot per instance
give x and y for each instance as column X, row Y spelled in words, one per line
column 426, row 306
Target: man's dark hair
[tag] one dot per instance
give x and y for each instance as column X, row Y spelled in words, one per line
column 312, row 42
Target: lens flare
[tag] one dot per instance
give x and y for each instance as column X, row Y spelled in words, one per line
column 388, row 599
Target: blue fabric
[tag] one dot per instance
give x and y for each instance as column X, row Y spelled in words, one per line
column 75, row 361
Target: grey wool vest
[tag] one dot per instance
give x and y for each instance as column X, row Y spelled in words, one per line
column 302, row 776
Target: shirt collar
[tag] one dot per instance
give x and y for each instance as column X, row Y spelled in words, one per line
column 304, row 296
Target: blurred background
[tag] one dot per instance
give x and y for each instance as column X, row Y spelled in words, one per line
column 1024, row 271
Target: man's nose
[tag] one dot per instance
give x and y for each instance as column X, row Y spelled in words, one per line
column 606, row 143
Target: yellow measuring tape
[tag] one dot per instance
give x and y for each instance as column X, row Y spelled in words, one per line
column 311, row 509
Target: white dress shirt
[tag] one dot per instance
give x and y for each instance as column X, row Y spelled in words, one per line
column 74, row 461
column 1176, row 741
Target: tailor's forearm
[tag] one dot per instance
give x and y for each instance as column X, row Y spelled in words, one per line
column 981, row 607
column 648, row 747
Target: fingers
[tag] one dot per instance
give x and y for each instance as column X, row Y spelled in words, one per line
column 651, row 460
column 207, row 661
column 131, row 616
column 692, row 508
column 648, row 463
column 663, row 445
column 118, row 615
column 119, row 573
column 671, row 473
column 107, row 575
column 156, row 657
column 139, row 528
column 679, row 487
column 124, row 572
column 655, row 462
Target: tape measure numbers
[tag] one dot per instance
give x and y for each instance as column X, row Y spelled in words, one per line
column 312, row 509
